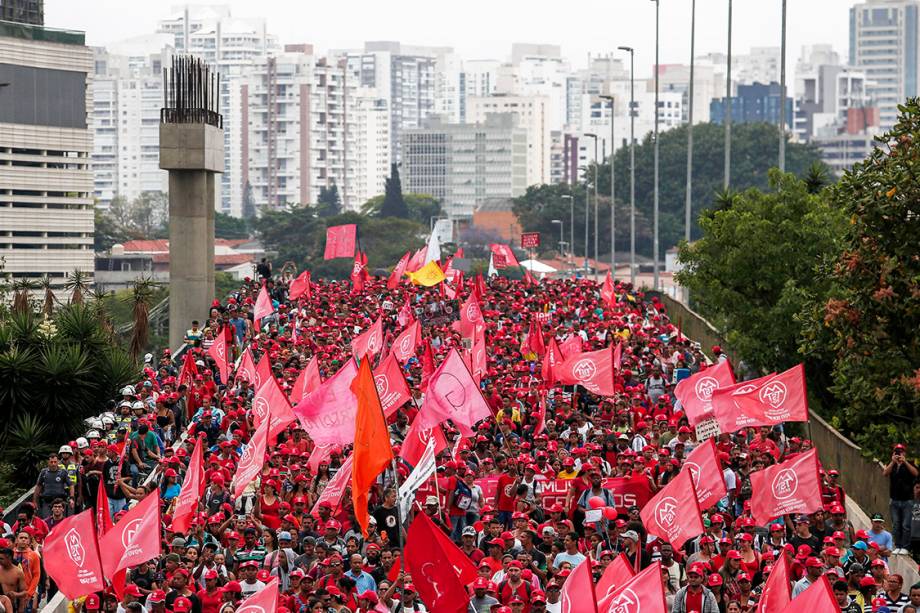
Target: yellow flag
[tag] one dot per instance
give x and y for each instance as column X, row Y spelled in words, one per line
column 428, row 275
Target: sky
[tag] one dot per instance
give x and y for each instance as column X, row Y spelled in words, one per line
column 485, row 29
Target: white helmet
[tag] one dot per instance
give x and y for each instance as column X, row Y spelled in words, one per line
column 96, row 424
column 128, row 390
column 137, row 405
column 82, row 443
column 107, row 422
column 93, row 434
column 65, row 449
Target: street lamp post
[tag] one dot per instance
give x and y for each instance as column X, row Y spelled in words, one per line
column 571, row 200
column 613, row 222
column 632, row 165
column 655, row 203
column 561, row 232
column 727, row 179
column 782, row 94
column 587, row 205
column 688, row 206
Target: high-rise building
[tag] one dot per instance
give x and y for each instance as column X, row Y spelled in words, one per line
column 23, row 11
column 754, row 103
column 465, row 164
column 825, row 91
column 884, row 44
column 46, row 182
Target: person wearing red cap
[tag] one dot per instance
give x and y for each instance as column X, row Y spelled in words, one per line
column 695, row 597
column 513, row 585
column 210, row 596
column 179, row 582
column 480, row 600
column 814, row 568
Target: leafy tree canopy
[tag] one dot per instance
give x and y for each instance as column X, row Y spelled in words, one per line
column 421, row 207
column 228, row 226
column 394, row 205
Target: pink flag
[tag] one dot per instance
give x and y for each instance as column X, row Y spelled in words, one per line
column 471, row 317
column 541, row 414
column 263, row 371
column 192, row 488
column 695, row 392
column 453, row 394
column 247, row 369
column 340, row 241
column 396, row 276
column 417, row 260
column 218, row 351
column 478, row 361
column 328, row 413
column 781, row 398
column 608, row 294
column 793, row 486
column 645, row 591
column 404, row 315
column 391, row 385
column 571, row 346
column 307, row 381
column 617, row 574
column 727, row 412
column 271, row 403
column 417, row 439
column 134, row 539
column 592, row 369
column 252, row 459
column 706, row 472
column 551, row 359
column 673, row 514
column 335, row 487
column 578, row 590
column 776, row 594
column 408, row 340
column 819, row 596
column 300, row 286
column 503, row 256
column 264, row 306
column 369, row 342
column 263, row 601
column 71, row 556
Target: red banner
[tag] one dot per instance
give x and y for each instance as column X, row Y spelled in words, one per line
column 530, row 240
column 793, row 486
column 340, row 242
column 627, row 491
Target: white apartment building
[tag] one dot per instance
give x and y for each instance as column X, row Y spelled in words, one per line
column 531, row 114
column 825, row 92
column 477, row 78
column 884, row 43
column 46, row 180
column 465, row 164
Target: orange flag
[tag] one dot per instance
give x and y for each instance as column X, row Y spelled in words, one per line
column 372, row 441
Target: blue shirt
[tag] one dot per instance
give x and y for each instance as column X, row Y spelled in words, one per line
column 882, row 539
column 363, row 581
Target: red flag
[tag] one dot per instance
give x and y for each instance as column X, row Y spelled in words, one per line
column 726, row 411
column 103, row 512
column 252, row 459
column 706, row 472
column 551, row 360
column 340, row 241
column 433, row 574
column 391, row 385
column 263, row 371
column 779, row 399
column 618, row 357
column 529, row 279
column 592, row 369
column 578, row 590
column 218, row 351
column 776, row 594
column 617, row 574
column 479, row 286
column 645, row 588
column 71, row 556
column 398, row 271
column 503, row 254
column 534, row 341
column 470, row 317
column 695, row 392
column 372, row 442
column 673, row 514
column 417, row 439
column 460, row 562
column 192, row 488
column 189, row 370
column 819, row 596
column 427, row 363
column 453, row 394
column 608, row 294
column 307, row 381
column 417, row 260
column 359, row 272
column 300, row 286
column 408, row 340
column 263, row 601
column 328, row 413
column 478, row 359
column 404, row 316
column 134, row 539
column 541, row 414
column 369, row 342
column 264, row 306
column 335, row 487
column 793, row 486
column 270, row 402
column 247, row 368
column 571, row 346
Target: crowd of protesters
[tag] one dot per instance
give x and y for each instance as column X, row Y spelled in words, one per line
column 523, row 549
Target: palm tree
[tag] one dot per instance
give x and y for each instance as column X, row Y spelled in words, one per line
column 141, row 295
column 816, row 177
column 22, row 289
column 48, row 305
column 78, row 282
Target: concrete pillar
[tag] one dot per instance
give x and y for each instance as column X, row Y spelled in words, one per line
column 192, row 153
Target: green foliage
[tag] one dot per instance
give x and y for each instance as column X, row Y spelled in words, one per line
column 249, row 202
column 422, row 207
column 299, row 235
column 328, row 204
column 393, row 203
column 755, row 148
column 868, row 326
column 54, row 372
column 230, row 227
column 147, row 216
column 754, row 267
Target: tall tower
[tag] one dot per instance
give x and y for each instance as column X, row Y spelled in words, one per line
column 192, row 150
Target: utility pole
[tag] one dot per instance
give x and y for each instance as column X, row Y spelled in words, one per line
column 632, row 165
column 782, row 94
column 613, row 216
column 655, row 204
column 727, row 180
column 688, row 206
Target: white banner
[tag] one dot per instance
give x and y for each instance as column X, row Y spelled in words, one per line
column 426, row 467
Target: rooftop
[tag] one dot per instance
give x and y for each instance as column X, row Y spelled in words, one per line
column 25, row 31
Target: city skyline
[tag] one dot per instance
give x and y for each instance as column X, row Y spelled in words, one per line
column 753, row 26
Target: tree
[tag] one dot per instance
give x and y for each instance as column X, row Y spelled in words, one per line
column 393, row 203
column 107, row 231
column 249, row 202
column 868, row 325
column 752, row 269
column 328, row 203
column 149, row 214
column 227, row 226
column 422, row 207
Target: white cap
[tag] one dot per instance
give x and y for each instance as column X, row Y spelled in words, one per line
column 93, row 434
column 65, row 449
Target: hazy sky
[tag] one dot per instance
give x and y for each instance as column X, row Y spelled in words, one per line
column 486, row 28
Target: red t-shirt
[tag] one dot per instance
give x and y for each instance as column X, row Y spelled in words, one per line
column 694, row 602
column 210, row 603
column 505, row 493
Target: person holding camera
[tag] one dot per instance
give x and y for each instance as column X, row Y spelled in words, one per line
column 901, row 477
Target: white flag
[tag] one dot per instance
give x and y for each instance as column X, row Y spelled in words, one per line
column 434, row 248
column 426, row 467
column 492, row 270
